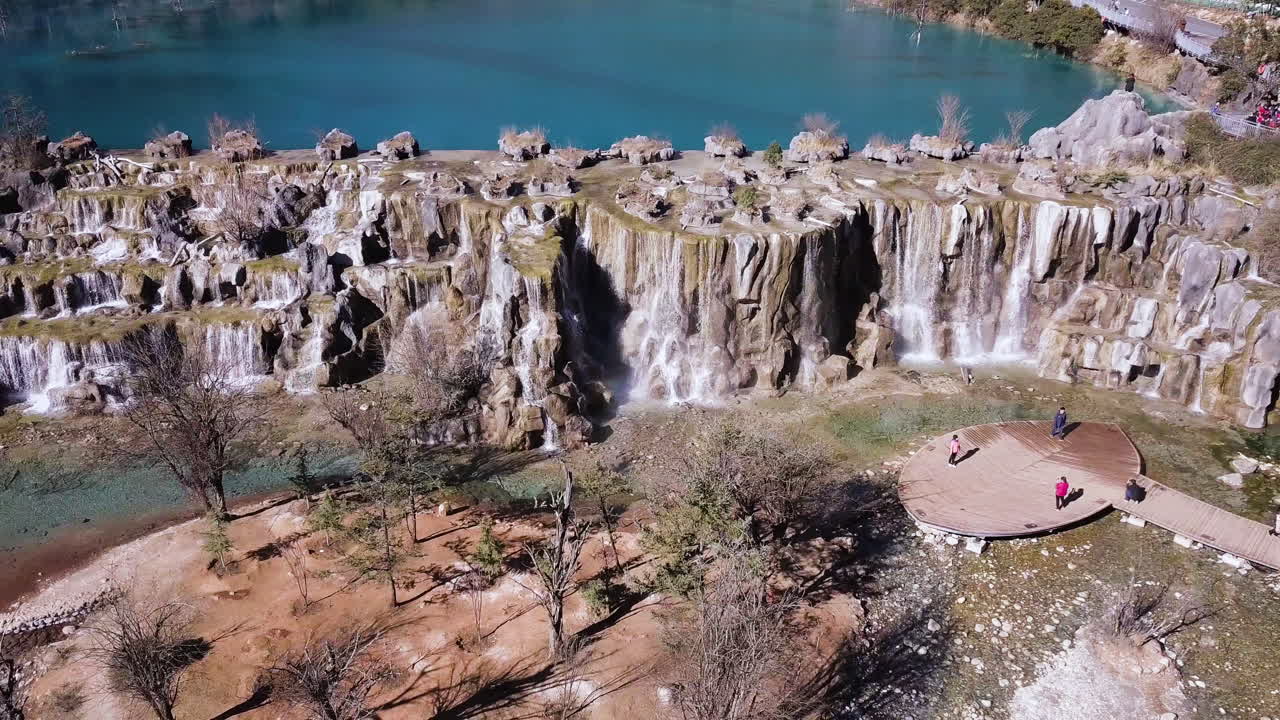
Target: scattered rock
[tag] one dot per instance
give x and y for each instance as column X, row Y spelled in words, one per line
column 1244, row 465
column 642, row 149
column 1234, row 480
column 169, row 147
column 817, row 146
column 724, row 146
column 73, row 149
column 941, row 148
column 337, row 145
column 523, row 145
column 401, row 146
column 239, row 146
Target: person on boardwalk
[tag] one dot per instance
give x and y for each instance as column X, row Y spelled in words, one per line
column 1060, row 492
column 1276, row 529
column 955, row 451
column 1060, row 424
column 1133, row 492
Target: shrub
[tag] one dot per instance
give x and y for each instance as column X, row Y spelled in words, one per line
column 773, row 155
column 1116, row 56
column 1249, row 161
column 953, row 119
column 1230, row 84
column 1109, row 178
column 596, row 595
column 489, row 556
column 216, row 541
column 326, row 518
column 746, row 197
column 20, row 124
column 68, row 699
column 1054, row 24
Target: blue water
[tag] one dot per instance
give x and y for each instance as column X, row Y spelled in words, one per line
column 455, row 71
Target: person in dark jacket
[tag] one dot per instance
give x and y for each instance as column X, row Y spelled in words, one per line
column 1133, row 492
column 1060, row 424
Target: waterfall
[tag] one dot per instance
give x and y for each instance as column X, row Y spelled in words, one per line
column 95, row 290
column 527, row 358
column 31, row 367
column 494, row 329
column 274, row 289
column 919, row 275
column 1013, row 310
column 236, row 351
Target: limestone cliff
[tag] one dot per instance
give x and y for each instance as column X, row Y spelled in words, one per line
column 583, row 304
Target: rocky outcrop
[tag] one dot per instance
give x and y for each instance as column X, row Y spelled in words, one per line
column 239, row 146
column 73, row 149
column 616, row 283
column 817, row 146
column 523, row 146
column 939, row 147
column 337, row 145
column 724, row 146
column 1114, row 130
column 1002, row 154
column 175, row 145
column 401, row 146
column 574, row 158
column 642, row 149
column 1194, row 81
column 894, row 154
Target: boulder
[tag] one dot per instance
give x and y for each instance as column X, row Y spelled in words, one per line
column 642, row 149
column 941, row 148
column 969, row 180
column 817, row 147
column 1002, row 154
column 789, row 205
column 574, row 158
column 712, row 186
column 523, row 145
column 499, row 187
column 736, row 171
column 832, row 372
column 872, row 345
column 1040, row 179
column 552, row 180
column 445, row 185
column 698, row 213
column 169, row 147
column 1244, row 465
column 640, row 201
column 724, row 146
column 894, row 154
column 1115, row 130
column 239, row 146
column 337, row 145
column 401, row 146
column 770, row 175
column 1233, row 480
column 85, row 397
column 823, row 174
column 1195, row 82
column 73, row 149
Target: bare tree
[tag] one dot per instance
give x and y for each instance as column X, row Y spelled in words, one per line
column 13, row 691
column 1166, row 20
column 146, row 652
column 733, row 652
column 241, row 218
column 556, row 563
column 953, row 119
column 22, row 125
column 295, row 558
column 604, row 484
column 1142, row 612
column 446, row 371
column 819, row 124
column 188, row 414
column 332, row 678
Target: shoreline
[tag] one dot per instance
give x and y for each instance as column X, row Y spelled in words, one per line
column 33, row 568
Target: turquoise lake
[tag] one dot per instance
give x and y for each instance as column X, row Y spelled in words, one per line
column 454, row 71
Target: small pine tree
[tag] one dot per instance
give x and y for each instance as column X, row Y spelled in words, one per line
column 326, row 518
column 489, row 557
column 302, row 479
column 216, row 541
column 773, row 155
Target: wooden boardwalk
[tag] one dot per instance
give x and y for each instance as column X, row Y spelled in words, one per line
column 1004, row 488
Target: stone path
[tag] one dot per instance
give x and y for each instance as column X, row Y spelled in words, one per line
column 1004, row 488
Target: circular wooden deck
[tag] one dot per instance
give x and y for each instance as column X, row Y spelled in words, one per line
column 1004, row 486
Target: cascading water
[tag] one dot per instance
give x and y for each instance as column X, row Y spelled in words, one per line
column 274, row 289
column 528, row 360
column 236, row 351
column 1012, row 329
column 31, row 367
column 919, row 274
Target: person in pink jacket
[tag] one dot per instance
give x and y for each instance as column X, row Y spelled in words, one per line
column 955, row 451
column 1060, row 492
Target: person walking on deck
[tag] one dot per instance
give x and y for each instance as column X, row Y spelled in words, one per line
column 1276, row 529
column 1060, row 424
column 1133, row 491
column 955, row 451
column 1060, row 492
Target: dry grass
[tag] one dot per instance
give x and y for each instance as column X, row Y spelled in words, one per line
column 953, row 119
column 536, row 135
column 819, row 124
column 1011, row 138
column 724, row 131
column 219, row 125
column 879, row 140
column 642, row 144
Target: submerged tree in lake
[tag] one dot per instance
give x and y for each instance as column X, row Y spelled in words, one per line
column 188, row 415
